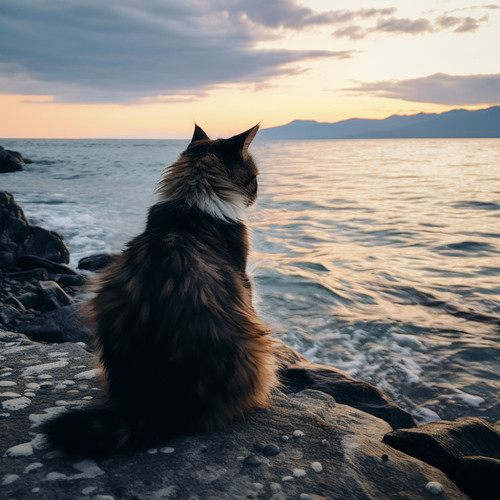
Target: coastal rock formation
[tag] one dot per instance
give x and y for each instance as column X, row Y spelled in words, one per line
column 325, row 436
column 34, row 276
column 467, row 450
column 306, row 445
column 11, row 161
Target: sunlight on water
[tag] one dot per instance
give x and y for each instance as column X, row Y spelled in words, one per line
column 380, row 257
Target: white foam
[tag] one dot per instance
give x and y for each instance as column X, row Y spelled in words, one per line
column 425, row 415
column 469, row 399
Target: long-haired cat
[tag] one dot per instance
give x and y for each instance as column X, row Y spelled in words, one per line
column 177, row 336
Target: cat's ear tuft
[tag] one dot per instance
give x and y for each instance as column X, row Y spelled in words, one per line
column 198, row 135
column 240, row 143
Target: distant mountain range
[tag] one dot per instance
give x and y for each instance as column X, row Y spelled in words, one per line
column 455, row 123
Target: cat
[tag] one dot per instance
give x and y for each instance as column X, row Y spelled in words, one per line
column 181, row 346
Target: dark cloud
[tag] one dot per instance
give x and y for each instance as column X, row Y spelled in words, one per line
column 95, row 51
column 438, row 89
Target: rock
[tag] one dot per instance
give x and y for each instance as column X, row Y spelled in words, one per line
column 32, row 274
column 466, row 449
column 33, row 262
column 10, row 162
column 61, row 325
column 43, row 243
column 8, row 314
column 271, row 450
column 95, row 262
column 52, row 295
column 199, row 466
column 19, row 157
column 298, row 374
column 18, row 238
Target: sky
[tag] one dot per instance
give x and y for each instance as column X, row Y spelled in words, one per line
column 151, row 68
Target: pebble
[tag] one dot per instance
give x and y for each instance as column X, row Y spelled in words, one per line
column 275, row 487
column 152, row 451
column 287, row 478
column 285, row 438
column 258, row 447
column 271, row 450
column 298, row 434
column 316, row 467
column 434, row 487
column 325, row 442
column 252, row 460
column 298, row 472
column 385, row 457
column 167, row 449
column 9, row 478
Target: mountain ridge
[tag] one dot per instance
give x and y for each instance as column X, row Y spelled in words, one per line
column 456, row 123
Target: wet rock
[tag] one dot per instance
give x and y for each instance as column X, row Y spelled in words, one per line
column 8, row 314
column 95, row 262
column 10, row 162
column 43, row 243
column 32, row 274
column 271, row 450
column 52, row 295
column 18, row 238
column 64, row 324
column 466, row 449
column 252, row 460
column 28, row 262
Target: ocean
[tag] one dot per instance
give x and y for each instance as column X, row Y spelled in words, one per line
column 379, row 257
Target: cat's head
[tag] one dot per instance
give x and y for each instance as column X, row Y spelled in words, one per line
column 218, row 176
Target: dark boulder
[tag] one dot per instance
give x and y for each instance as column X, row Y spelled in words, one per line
column 60, row 325
column 18, row 238
column 52, row 295
column 467, row 450
column 96, row 262
column 10, row 162
column 19, row 157
column 34, row 262
column 43, row 243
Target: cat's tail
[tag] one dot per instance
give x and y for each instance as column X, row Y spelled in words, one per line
column 99, row 432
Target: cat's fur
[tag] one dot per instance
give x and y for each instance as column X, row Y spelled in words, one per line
column 176, row 333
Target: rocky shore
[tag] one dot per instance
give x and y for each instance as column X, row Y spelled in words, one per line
column 12, row 161
column 326, row 434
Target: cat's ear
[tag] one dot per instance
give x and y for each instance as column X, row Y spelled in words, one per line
column 240, row 143
column 198, row 135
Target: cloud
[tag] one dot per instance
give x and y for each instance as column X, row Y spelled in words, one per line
column 422, row 25
column 124, row 50
column 437, row 89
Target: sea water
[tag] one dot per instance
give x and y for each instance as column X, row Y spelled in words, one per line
column 379, row 257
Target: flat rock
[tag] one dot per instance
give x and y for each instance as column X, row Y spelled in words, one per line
column 43, row 380
column 95, row 262
column 64, row 324
column 466, row 449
